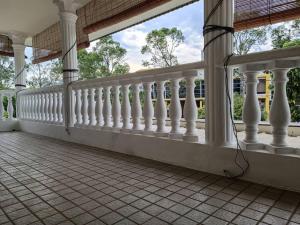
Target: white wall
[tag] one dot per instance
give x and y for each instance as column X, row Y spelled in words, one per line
column 276, row 170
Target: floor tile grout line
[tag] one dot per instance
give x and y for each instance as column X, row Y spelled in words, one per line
column 132, row 171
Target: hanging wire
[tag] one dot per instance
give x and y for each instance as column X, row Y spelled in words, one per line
column 207, row 28
column 67, row 128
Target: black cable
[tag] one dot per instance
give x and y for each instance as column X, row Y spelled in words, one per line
column 207, row 28
column 68, row 85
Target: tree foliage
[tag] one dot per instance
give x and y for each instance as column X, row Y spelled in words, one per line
column 248, row 39
column 161, row 45
column 6, row 72
column 285, row 37
column 106, row 59
column 45, row 74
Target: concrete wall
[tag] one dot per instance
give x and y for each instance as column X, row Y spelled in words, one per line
column 267, row 168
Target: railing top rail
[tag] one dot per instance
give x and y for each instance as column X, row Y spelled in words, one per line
column 7, row 92
column 267, row 56
column 145, row 75
column 41, row 90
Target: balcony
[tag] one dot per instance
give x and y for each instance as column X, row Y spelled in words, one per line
column 109, row 151
column 48, row 181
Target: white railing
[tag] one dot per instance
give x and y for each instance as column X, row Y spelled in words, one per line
column 125, row 103
column 7, row 114
column 116, row 104
column 44, row 104
column 279, row 62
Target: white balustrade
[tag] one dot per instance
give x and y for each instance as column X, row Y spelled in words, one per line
column 107, row 108
column 91, row 107
column 116, row 107
column 126, row 109
column 175, row 110
column 190, row 108
column 251, row 108
column 84, row 107
column 10, row 108
column 41, row 105
column 136, row 109
column 9, row 113
column 78, row 107
column 99, row 107
column 148, row 111
column 280, row 114
column 161, row 110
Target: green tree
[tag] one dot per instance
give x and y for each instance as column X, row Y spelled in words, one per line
column 45, row 74
column 246, row 40
column 285, row 37
column 161, row 46
column 238, row 102
column 106, row 59
column 6, row 72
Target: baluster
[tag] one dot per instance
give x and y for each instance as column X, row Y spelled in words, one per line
column 136, row 109
column 35, row 102
column 251, row 108
column 148, row 108
column 10, row 108
column 38, row 105
column 161, row 110
column 62, row 108
column 78, row 107
column 107, row 108
column 126, row 109
column 24, row 107
column 280, row 114
column 84, row 106
column 33, row 106
column 190, row 108
column 19, row 106
column 1, row 107
column 116, row 107
column 175, row 110
column 91, row 111
column 43, row 107
column 59, row 107
column 46, row 107
column 54, row 108
column 51, row 107
column 27, row 106
column 99, row 107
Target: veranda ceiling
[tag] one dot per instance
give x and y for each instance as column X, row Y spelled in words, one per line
column 112, row 15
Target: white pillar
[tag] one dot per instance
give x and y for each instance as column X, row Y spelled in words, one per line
column 175, row 110
column 280, row 114
column 68, row 18
column 19, row 57
column 251, row 108
column 218, row 129
column 148, row 111
column 78, row 106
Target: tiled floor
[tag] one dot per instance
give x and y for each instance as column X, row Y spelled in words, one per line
column 46, row 181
